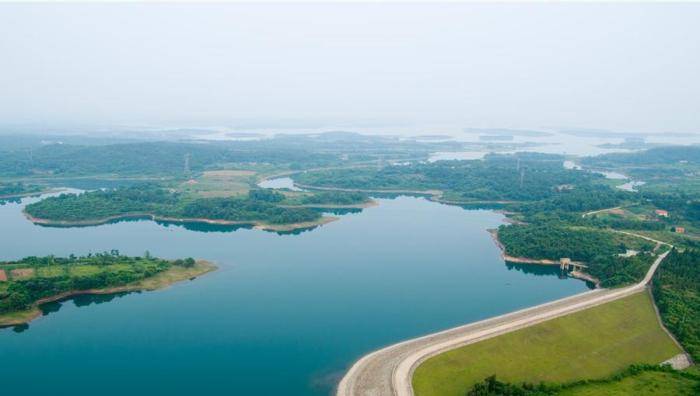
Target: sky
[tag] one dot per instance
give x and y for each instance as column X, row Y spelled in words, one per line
column 631, row 67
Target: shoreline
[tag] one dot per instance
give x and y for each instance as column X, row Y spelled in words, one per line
column 30, row 194
column 431, row 195
column 158, row 281
column 389, row 370
column 364, row 205
column 258, row 225
column 296, row 226
column 526, row 260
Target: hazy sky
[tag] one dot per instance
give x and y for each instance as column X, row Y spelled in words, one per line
column 625, row 66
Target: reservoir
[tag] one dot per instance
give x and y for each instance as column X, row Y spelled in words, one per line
column 283, row 315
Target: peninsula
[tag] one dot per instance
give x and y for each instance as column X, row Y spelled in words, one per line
column 260, row 208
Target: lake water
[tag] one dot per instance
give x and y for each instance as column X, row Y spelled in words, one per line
column 284, row 314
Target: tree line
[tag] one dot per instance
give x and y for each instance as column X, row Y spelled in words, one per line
column 51, row 275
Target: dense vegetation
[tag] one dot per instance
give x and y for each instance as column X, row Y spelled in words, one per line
column 79, row 157
column 677, row 294
column 334, row 198
column 522, row 177
column 680, row 205
column 12, row 189
column 258, row 205
column 34, row 278
column 598, row 248
column 653, row 156
column 581, row 198
column 244, row 209
column 637, row 376
column 554, row 242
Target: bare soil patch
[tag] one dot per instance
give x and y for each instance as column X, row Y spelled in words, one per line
column 22, row 273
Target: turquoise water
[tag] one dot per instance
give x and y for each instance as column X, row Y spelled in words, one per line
column 284, row 314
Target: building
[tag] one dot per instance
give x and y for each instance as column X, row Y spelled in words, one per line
column 661, row 213
column 679, row 230
column 564, row 263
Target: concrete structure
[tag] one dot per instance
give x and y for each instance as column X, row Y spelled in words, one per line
column 388, row 371
column 661, row 213
column 566, row 264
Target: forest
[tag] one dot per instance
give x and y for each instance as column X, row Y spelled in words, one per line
column 599, row 249
column 34, row 278
column 148, row 199
column 654, row 156
column 166, row 158
column 521, row 177
column 677, row 294
column 334, row 198
column 17, row 188
column 554, row 242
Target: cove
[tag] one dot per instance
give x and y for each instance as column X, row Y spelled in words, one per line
column 283, row 315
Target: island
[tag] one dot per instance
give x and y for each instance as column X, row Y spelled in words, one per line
column 28, row 283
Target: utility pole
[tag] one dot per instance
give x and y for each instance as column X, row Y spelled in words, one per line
column 522, row 177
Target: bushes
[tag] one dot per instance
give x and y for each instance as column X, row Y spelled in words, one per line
column 241, row 209
column 259, row 205
column 8, row 189
column 597, row 248
column 492, row 387
column 334, row 198
column 677, row 294
column 496, row 178
column 553, row 242
column 105, row 270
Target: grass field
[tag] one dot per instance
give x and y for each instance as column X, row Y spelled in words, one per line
column 161, row 280
column 51, row 271
column 643, row 384
column 223, row 183
column 589, row 344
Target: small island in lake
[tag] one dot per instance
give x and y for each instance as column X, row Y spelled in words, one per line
column 32, row 281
